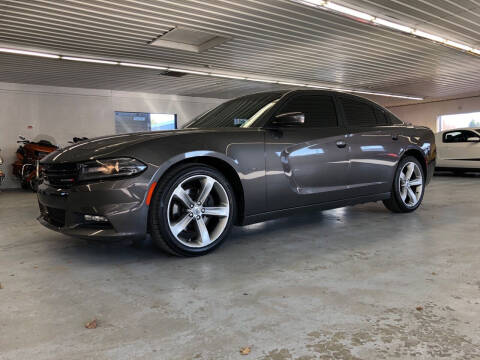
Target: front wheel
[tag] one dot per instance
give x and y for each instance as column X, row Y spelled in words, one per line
column 408, row 186
column 192, row 210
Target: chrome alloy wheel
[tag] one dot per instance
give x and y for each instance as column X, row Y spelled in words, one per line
column 410, row 184
column 198, row 211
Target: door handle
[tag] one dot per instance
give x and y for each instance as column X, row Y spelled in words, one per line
column 341, row 144
column 394, row 137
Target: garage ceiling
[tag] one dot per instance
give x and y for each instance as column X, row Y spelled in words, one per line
column 272, row 38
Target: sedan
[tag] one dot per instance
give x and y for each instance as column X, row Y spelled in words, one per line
column 250, row 159
column 458, row 150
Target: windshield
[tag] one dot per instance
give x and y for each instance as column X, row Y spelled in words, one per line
column 242, row 112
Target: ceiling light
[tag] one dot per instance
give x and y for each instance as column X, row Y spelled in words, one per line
column 379, row 21
column 229, row 76
column 348, row 11
column 393, row 25
column 188, row 71
column 144, row 66
column 32, row 53
column 262, row 80
column 385, row 94
column 429, row 36
column 317, row 87
column 185, row 71
column 458, row 45
column 290, row 84
column 313, row 2
column 107, row 62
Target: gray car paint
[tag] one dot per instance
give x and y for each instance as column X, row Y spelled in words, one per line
column 280, row 170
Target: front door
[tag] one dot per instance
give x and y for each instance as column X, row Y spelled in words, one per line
column 308, row 163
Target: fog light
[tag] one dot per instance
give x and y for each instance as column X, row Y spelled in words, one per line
column 95, row 218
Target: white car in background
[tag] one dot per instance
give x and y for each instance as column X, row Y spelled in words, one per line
column 458, row 150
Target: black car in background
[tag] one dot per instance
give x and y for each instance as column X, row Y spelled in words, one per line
column 248, row 160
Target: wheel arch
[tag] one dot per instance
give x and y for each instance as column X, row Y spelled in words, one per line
column 225, row 168
column 417, row 154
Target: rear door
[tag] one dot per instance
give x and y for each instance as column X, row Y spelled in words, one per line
column 372, row 145
column 307, row 164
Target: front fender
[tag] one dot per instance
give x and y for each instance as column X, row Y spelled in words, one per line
column 199, row 154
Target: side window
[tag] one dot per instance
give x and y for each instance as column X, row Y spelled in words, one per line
column 319, row 110
column 381, row 117
column 358, row 113
column 394, row 120
column 458, row 136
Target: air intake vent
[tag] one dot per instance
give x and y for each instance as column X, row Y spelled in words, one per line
column 189, row 40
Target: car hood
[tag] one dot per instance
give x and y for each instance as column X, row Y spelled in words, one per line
column 114, row 145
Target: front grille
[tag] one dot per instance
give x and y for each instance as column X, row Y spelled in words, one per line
column 61, row 175
column 54, row 216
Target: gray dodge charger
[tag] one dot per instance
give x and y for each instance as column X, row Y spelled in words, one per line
column 248, row 160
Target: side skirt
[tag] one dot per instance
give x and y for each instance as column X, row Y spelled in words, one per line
column 252, row 219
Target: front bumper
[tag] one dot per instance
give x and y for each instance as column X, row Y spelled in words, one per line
column 122, row 202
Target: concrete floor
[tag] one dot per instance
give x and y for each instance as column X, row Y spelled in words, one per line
column 352, row 283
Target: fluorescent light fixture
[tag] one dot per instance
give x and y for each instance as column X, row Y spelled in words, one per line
column 229, row 76
column 348, row 11
column 144, row 66
column 32, row 53
column 313, row 2
column 97, row 61
column 262, row 80
column 458, row 45
column 385, row 94
column 393, row 25
column 379, row 21
column 318, row 87
column 290, row 84
column 188, row 71
column 429, row 36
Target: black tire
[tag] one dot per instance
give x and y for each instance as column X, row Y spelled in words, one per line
column 395, row 202
column 158, row 215
column 25, row 185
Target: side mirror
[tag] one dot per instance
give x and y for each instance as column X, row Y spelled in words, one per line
column 289, row 119
column 473, row 139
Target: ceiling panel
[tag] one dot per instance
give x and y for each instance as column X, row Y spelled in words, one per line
column 273, row 38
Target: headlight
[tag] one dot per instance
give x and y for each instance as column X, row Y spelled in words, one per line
column 1, row 161
column 110, row 168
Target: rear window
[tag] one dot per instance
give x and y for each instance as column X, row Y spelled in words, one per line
column 394, row 120
column 381, row 117
column 358, row 113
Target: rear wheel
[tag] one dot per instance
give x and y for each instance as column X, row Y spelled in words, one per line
column 192, row 210
column 408, row 186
